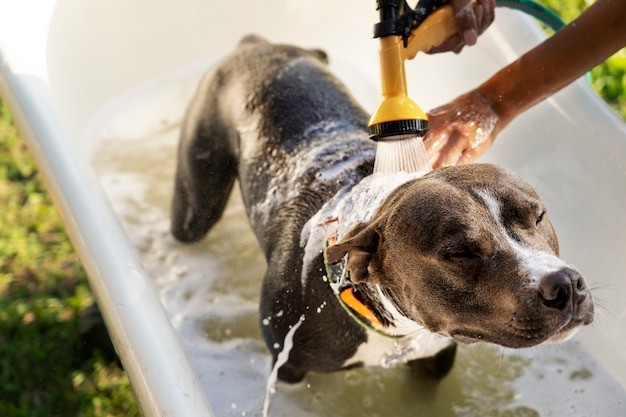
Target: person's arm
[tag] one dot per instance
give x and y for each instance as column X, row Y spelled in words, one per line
column 463, row 129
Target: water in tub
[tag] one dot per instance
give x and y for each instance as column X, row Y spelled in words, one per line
column 211, row 289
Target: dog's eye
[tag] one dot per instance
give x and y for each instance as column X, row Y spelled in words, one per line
column 462, row 256
column 540, row 218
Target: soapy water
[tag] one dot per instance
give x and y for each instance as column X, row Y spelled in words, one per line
column 282, row 359
column 210, row 291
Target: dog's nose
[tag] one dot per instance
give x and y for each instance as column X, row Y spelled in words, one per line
column 562, row 289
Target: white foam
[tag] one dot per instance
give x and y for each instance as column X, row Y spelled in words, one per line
column 328, row 155
column 350, row 207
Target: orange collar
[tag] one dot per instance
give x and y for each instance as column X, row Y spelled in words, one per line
column 347, row 296
column 344, row 291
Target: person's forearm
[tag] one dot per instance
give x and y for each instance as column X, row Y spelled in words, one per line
column 599, row 32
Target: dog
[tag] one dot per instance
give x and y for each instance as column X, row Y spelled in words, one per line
column 364, row 268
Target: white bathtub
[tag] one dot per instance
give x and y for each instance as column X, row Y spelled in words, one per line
column 99, row 88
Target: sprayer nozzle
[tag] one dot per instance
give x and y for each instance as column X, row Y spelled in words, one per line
column 397, row 129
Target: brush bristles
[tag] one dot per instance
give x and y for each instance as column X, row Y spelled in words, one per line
column 406, row 154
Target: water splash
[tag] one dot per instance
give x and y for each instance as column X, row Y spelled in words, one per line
column 402, row 352
column 405, row 153
column 283, row 357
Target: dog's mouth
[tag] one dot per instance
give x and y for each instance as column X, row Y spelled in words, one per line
column 467, row 338
column 510, row 340
column 516, row 335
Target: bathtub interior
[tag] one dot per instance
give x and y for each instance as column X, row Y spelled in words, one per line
column 120, row 75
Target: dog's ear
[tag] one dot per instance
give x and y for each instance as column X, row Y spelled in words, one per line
column 319, row 54
column 361, row 245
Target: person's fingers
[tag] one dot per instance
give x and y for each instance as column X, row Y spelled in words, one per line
column 439, row 129
column 459, row 48
column 466, row 20
column 452, row 147
column 479, row 14
column 487, row 14
column 472, row 18
column 445, row 159
column 451, row 156
column 433, row 144
column 453, row 43
column 470, row 155
column 451, row 150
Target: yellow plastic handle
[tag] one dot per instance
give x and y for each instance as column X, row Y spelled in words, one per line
column 396, row 104
column 439, row 26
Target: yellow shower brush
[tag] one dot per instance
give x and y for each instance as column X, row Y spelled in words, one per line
column 398, row 124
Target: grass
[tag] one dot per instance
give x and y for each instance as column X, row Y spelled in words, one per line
column 48, row 367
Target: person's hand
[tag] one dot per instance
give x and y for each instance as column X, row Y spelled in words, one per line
column 472, row 18
column 461, row 130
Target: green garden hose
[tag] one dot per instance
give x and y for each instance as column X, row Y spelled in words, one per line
column 538, row 11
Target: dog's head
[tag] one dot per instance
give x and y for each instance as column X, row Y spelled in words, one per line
column 469, row 252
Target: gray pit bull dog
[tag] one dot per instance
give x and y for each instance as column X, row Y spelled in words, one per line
column 363, row 263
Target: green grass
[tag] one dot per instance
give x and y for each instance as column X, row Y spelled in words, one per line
column 47, row 366
column 609, row 80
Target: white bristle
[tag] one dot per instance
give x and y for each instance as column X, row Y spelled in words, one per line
column 403, row 153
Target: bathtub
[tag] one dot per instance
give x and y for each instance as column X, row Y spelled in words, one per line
column 99, row 89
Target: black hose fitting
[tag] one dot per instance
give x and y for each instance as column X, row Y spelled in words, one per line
column 397, row 18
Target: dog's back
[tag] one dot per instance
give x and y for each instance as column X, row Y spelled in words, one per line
column 273, row 117
column 275, row 100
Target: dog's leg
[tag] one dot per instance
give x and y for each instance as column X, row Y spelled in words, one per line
column 206, row 172
column 437, row 365
column 290, row 374
column 278, row 313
